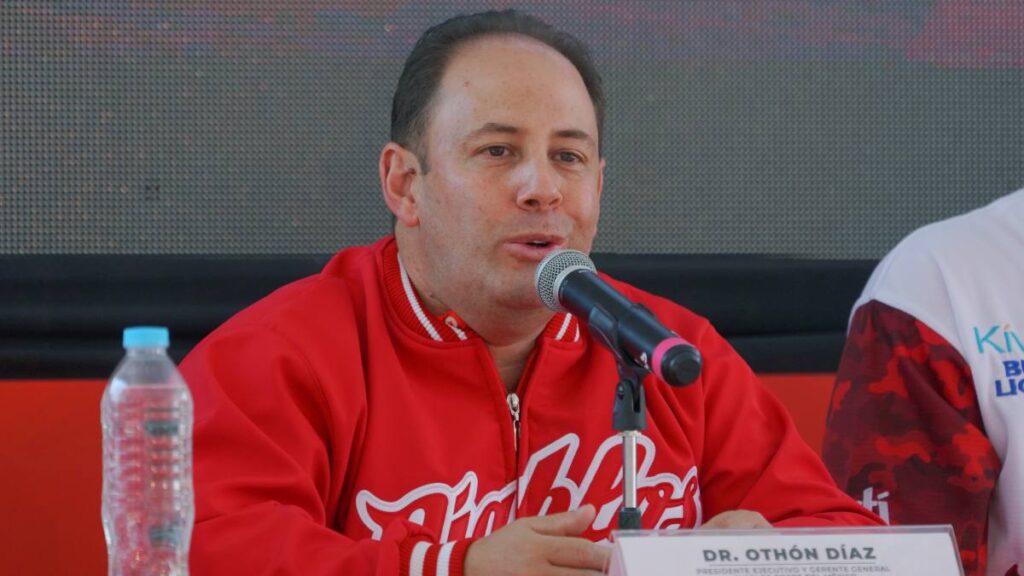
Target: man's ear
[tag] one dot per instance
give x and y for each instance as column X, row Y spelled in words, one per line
column 399, row 174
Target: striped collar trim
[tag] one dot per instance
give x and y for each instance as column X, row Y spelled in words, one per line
column 448, row 327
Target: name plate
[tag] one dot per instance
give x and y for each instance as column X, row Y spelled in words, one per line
column 894, row 551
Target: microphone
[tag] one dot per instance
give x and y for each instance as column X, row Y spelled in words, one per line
column 567, row 281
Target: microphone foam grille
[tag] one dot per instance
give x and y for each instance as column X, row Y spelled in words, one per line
column 550, row 273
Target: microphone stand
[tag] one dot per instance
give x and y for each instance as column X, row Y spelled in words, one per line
column 629, row 414
column 629, row 418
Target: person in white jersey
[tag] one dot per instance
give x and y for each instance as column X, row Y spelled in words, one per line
column 926, row 424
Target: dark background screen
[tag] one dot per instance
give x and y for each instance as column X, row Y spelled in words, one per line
column 814, row 128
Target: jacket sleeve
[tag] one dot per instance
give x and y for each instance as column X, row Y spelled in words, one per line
column 269, row 466
column 754, row 457
column 905, row 431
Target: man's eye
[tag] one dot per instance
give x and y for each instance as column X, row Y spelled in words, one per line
column 497, row 151
column 569, row 157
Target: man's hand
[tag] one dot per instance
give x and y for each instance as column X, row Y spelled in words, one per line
column 541, row 545
column 738, row 520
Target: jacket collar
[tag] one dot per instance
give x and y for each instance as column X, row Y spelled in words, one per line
column 448, row 327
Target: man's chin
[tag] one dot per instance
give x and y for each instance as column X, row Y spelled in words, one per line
column 523, row 300
column 511, row 289
column 528, row 302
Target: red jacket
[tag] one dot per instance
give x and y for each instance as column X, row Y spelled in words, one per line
column 340, row 429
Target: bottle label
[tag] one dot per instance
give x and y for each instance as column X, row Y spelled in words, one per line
column 161, row 427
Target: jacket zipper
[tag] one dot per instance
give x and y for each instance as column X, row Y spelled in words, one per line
column 513, row 408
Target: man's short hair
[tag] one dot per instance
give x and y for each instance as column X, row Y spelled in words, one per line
column 428, row 60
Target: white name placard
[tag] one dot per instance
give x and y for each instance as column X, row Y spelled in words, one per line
column 893, row 551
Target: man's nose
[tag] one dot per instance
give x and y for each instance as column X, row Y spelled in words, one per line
column 540, row 188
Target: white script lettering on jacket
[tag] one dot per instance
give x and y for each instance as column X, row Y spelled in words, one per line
column 457, row 512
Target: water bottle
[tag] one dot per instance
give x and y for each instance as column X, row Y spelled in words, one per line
column 146, row 412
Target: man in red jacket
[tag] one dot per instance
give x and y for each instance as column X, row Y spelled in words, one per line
column 415, row 409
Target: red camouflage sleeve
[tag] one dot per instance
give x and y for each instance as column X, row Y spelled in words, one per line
column 904, row 432
column 753, row 456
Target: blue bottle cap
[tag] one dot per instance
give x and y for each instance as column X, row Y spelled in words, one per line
column 146, row 337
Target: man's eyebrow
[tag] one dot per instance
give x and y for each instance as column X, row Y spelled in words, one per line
column 492, row 128
column 499, row 128
column 575, row 134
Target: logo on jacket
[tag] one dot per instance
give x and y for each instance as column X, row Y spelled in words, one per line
column 459, row 511
column 998, row 339
column 877, row 503
column 1013, row 381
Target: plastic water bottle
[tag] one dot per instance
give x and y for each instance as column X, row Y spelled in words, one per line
column 148, row 509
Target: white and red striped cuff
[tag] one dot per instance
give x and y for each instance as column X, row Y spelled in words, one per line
column 421, row 557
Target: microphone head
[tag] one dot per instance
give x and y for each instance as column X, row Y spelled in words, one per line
column 553, row 269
